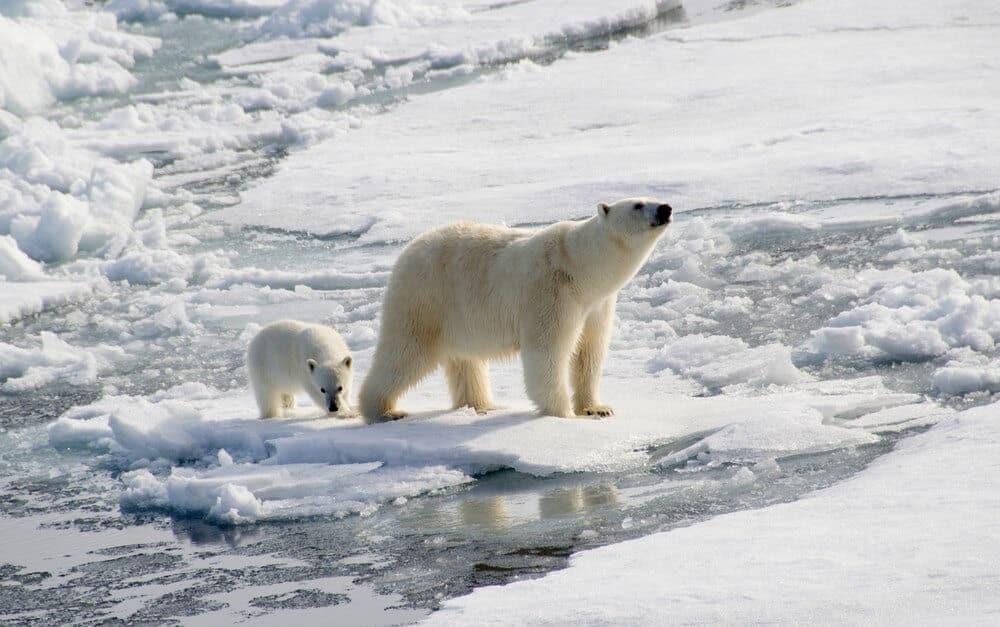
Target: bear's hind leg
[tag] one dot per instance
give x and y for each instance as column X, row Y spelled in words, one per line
column 469, row 382
column 288, row 401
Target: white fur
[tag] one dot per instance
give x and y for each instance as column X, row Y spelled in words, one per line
column 289, row 356
column 467, row 293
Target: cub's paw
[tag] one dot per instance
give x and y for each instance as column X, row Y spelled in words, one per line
column 596, row 410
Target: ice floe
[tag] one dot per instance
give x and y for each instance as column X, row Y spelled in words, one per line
column 54, row 361
column 18, row 300
column 275, row 468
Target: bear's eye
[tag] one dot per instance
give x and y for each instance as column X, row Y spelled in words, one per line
column 323, row 390
column 638, row 206
column 340, row 388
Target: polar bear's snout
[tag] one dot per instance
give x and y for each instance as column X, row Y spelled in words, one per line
column 662, row 215
column 331, row 400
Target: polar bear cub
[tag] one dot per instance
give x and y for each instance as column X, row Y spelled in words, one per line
column 464, row 294
column 288, row 356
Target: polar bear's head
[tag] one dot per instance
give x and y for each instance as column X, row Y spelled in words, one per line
column 333, row 381
column 630, row 217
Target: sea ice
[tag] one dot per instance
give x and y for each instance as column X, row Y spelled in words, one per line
column 912, row 539
column 536, row 144
column 23, row 369
column 19, row 300
column 277, row 468
column 915, row 317
column 49, row 52
column 59, row 198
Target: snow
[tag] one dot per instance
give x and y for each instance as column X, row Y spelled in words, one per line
column 14, row 264
column 49, row 53
column 298, row 18
column 506, row 32
column 154, row 9
column 967, row 372
column 919, row 317
column 60, row 199
column 19, row 300
column 912, row 539
column 536, row 143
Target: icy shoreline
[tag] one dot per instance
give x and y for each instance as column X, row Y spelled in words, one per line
column 912, row 539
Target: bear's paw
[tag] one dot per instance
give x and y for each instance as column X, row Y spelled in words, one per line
column 596, row 410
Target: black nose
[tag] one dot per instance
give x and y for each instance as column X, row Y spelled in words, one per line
column 663, row 214
column 333, row 407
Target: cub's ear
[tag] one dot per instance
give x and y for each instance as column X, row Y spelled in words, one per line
column 603, row 209
column 348, row 361
column 312, row 364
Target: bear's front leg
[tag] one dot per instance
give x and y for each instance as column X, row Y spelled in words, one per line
column 546, row 349
column 588, row 360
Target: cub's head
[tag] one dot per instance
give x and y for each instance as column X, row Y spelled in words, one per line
column 646, row 218
column 333, row 381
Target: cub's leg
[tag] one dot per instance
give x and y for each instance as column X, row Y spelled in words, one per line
column 469, row 382
column 588, row 361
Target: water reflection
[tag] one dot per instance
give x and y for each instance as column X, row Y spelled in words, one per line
column 574, row 500
column 500, row 512
column 201, row 532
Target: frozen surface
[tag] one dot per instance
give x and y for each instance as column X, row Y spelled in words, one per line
column 169, row 184
column 913, row 539
column 538, row 143
column 305, row 467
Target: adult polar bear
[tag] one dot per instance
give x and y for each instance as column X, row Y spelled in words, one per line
column 466, row 293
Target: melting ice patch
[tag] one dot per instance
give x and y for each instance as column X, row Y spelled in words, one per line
column 240, row 493
column 18, row 300
column 779, row 434
column 718, row 361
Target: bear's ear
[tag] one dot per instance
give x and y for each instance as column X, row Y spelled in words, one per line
column 312, row 364
column 603, row 209
column 348, row 361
